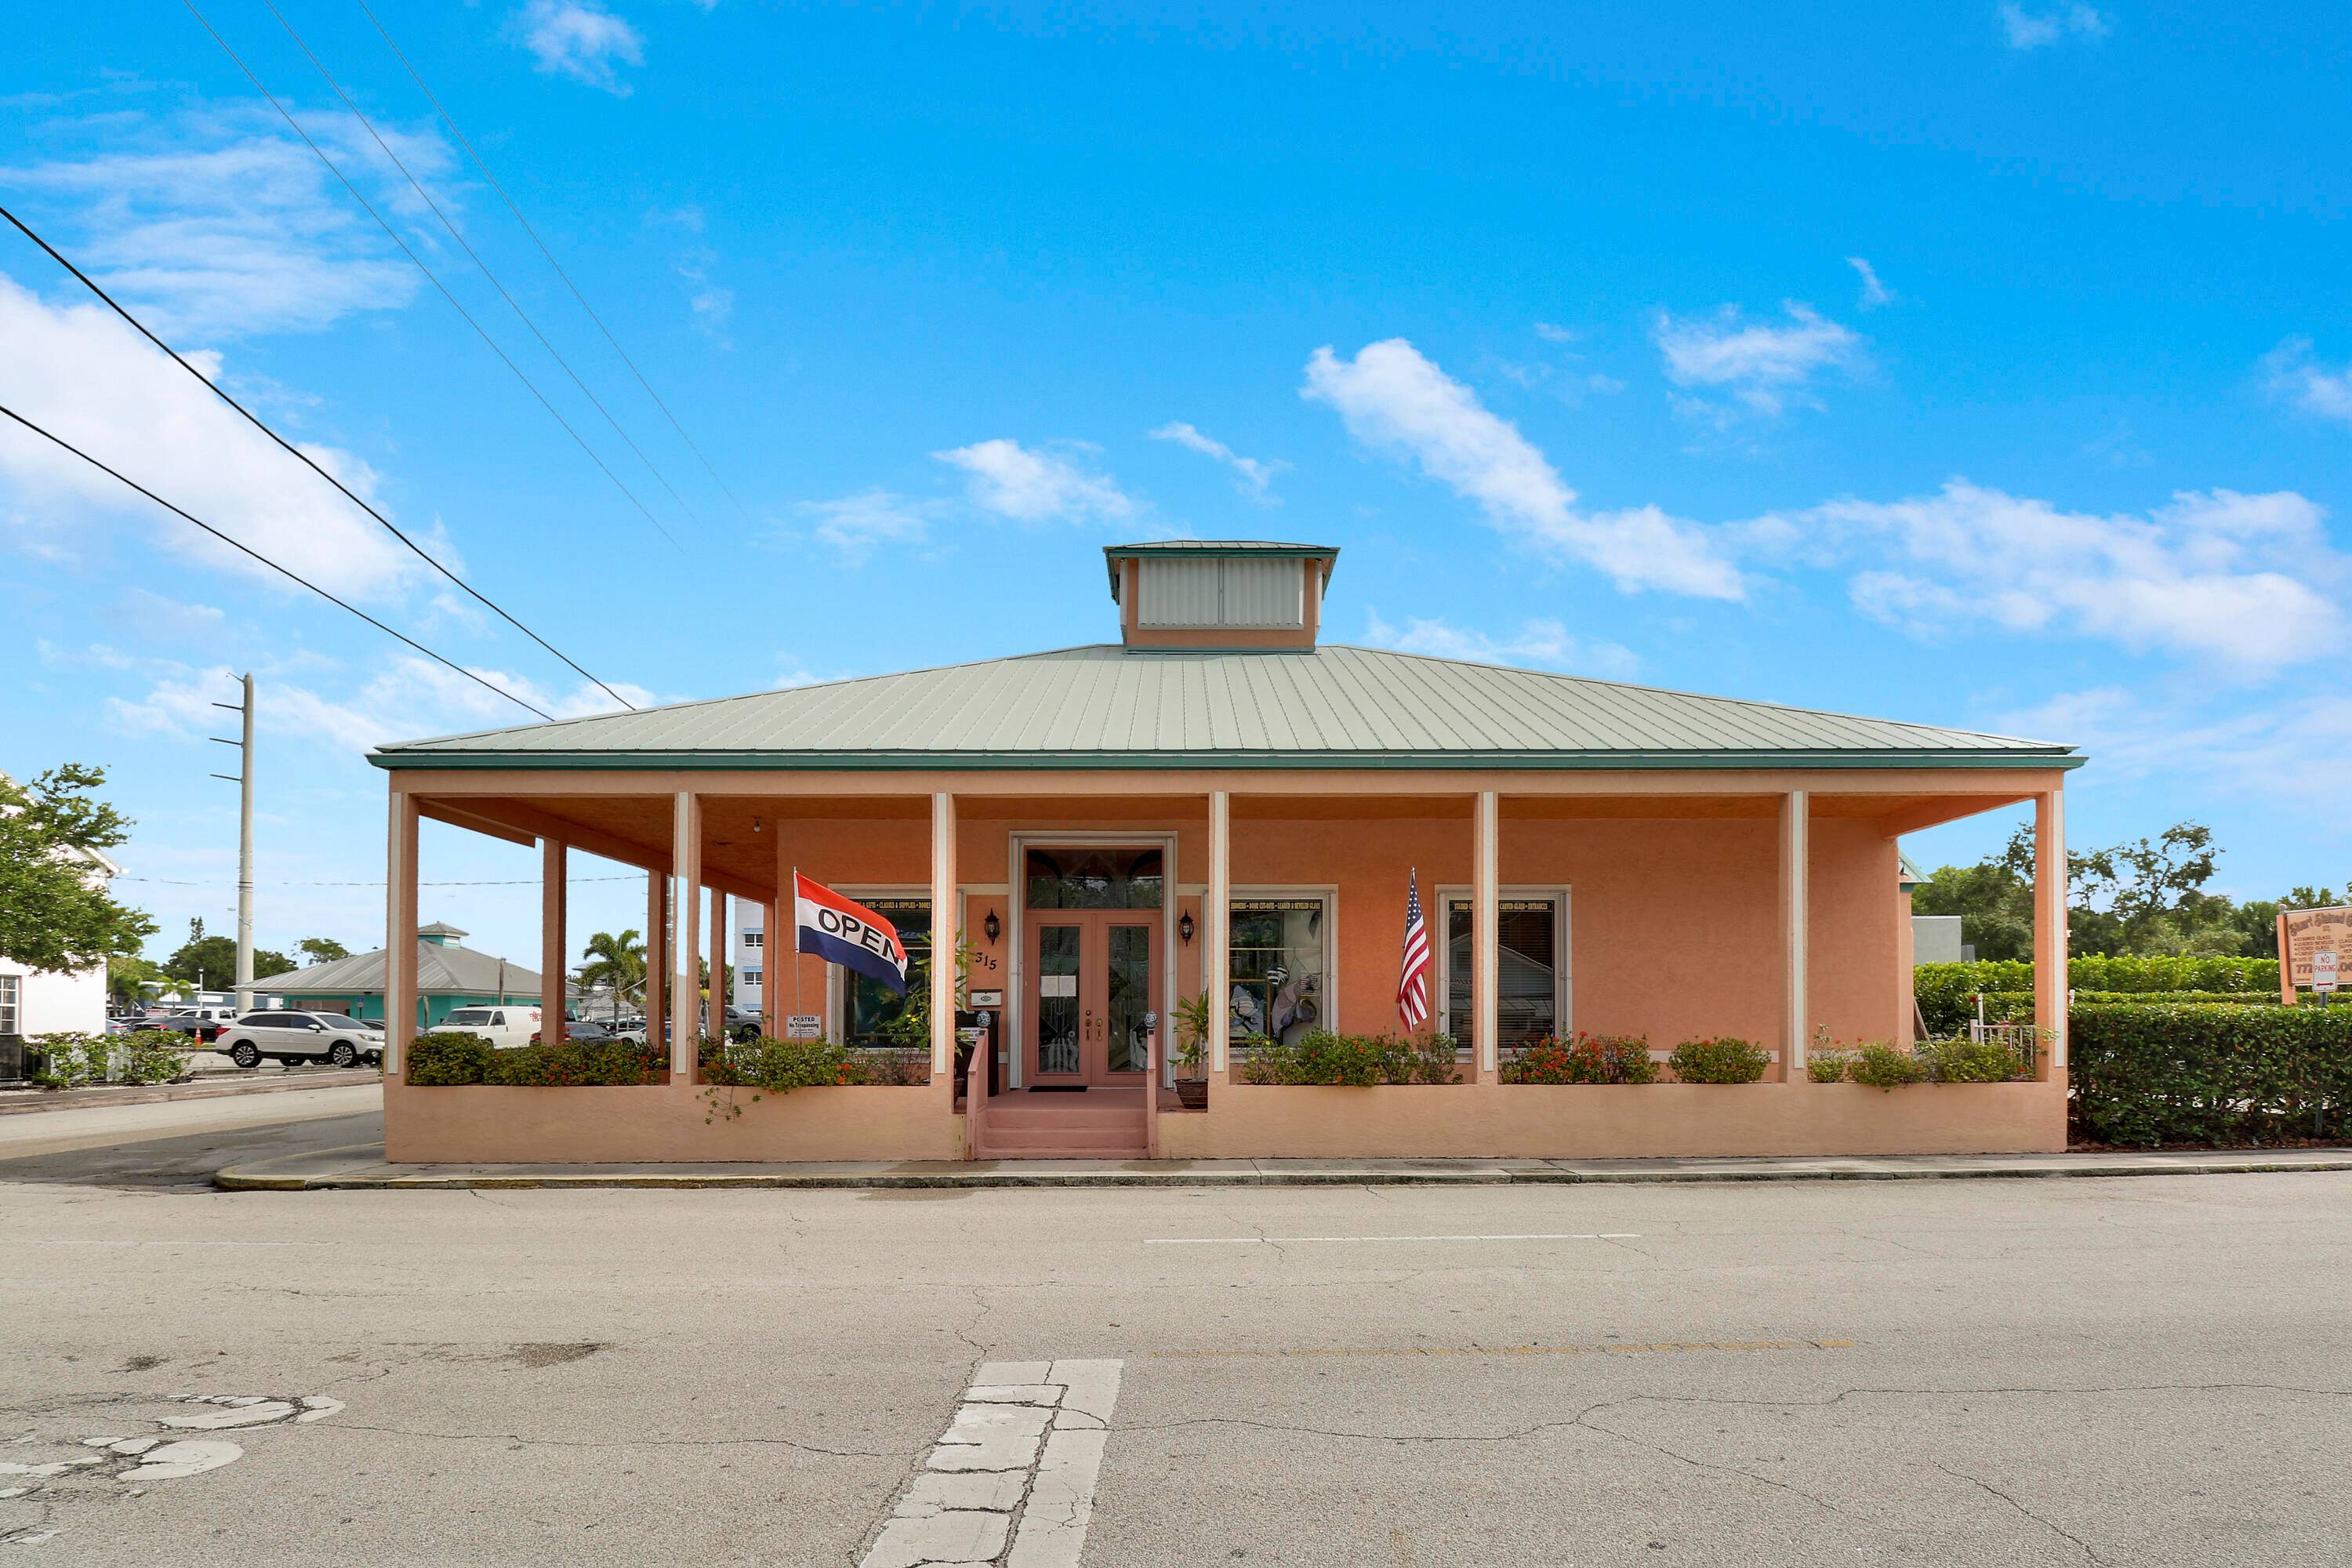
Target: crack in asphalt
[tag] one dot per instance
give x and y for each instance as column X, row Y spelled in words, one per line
column 629, row 1443
column 2050, row 1525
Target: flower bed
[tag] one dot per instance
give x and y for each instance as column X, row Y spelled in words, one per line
column 1881, row 1064
column 1322, row 1057
column 72, row 1059
column 454, row 1057
column 1583, row 1058
column 1718, row 1061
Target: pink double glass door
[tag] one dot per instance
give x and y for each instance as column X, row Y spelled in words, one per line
column 1093, row 995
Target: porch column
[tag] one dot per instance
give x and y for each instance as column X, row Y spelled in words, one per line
column 2049, row 928
column 1216, row 919
column 553, row 945
column 399, row 933
column 685, row 899
column 721, row 992
column 943, row 940
column 1795, row 901
column 656, row 958
column 1485, row 920
column 777, row 944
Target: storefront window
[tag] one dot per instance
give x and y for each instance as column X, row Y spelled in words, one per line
column 1276, row 981
column 1529, row 1005
column 868, row 1005
column 1094, row 879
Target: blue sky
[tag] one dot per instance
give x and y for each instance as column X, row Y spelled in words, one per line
column 1978, row 364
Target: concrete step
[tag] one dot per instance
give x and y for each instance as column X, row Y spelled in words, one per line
column 1108, row 1117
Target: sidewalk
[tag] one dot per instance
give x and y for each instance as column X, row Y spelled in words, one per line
column 363, row 1166
column 260, row 1080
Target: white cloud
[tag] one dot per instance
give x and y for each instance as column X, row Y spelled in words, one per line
column 1550, row 333
column 2296, row 749
column 1762, row 365
column 1392, row 398
column 2292, row 374
column 1252, row 474
column 407, row 699
column 96, row 384
column 2023, row 29
column 712, row 303
column 1029, row 486
column 1873, row 292
column 2250, row 580
column 855, row 526
column 1537, row 642
column 220, row 223
column 581, row 39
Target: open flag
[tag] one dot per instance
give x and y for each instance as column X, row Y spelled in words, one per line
column 1413, row 982
column 845, row 931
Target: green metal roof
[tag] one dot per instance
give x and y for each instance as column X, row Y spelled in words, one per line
column 1329, row 707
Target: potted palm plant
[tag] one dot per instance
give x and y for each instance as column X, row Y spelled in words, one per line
column 1192, row 1020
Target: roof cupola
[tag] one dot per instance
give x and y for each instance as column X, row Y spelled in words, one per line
column 1179, row 595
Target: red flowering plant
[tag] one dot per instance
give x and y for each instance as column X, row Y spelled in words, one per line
column 1583, row 1058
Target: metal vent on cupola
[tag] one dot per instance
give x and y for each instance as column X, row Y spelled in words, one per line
column 1219, row 593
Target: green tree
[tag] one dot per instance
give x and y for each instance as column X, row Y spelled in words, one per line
column 56, row 911
column 126, row 979
column 211, row 961
column 321, row 949
column 615, row 961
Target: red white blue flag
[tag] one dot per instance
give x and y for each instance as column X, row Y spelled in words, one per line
column 1413, row 983
column 845, row 931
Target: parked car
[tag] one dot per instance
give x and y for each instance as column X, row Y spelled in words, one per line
column 288, row 1037
column 504, row 1028
column 193, row 1025
column 587, row 1031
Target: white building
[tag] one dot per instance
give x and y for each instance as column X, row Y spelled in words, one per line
column 43, row 1002
column 749, row 955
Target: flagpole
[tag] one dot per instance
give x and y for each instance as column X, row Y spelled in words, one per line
column 796, row 947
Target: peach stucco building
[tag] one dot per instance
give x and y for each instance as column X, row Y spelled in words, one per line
column 1221, row 800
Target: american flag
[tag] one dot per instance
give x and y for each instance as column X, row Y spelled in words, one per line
column 1413, row 983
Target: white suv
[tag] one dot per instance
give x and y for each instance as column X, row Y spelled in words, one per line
column 507, row 1028
column 291, row 1037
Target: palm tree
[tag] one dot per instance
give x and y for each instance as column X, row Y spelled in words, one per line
column 617, row 962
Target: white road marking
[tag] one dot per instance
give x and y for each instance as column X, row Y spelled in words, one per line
column 1289, row 1240
column 1011, row 1480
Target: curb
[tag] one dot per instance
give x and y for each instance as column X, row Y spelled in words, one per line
column 259, row 1178
column 30, row 1102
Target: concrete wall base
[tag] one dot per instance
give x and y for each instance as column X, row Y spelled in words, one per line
column 478, row 1124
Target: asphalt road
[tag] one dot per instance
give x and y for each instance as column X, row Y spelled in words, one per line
column 2151, row 1370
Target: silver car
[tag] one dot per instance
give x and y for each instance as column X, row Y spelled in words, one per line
column 289, row 1037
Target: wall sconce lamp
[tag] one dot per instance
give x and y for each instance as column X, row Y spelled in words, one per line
column 992, row 926
column 1184, row 928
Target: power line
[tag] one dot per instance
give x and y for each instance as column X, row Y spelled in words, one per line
column 305, row 457
column 512, row 303
column 430, row 277
column 557, row 266
column 283, row 572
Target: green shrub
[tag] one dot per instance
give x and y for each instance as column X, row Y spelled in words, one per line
column 770, row 1066
column 576, row 1063
column 2214, row 1074
column 445, row 1056
column 2017, row 1007
column 1583, row 1058
column 1827, row 1065
column 77, row 1060
column 1877, row 1064
column 1322, row 1057
column 1718, row 1061
column 1963, row 1061
column 1945, row 990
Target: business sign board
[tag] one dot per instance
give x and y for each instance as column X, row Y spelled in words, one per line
column 803, row 1025
column 2311, row 944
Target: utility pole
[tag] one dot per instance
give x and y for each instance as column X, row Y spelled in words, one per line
column 244, row 780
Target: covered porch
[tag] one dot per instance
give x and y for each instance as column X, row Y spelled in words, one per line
column 1671, row 903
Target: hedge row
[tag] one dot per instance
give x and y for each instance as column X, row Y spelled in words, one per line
column 1944, row 989
column 2017, row 1007
column 2210, row 1074
column 449, row 1057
